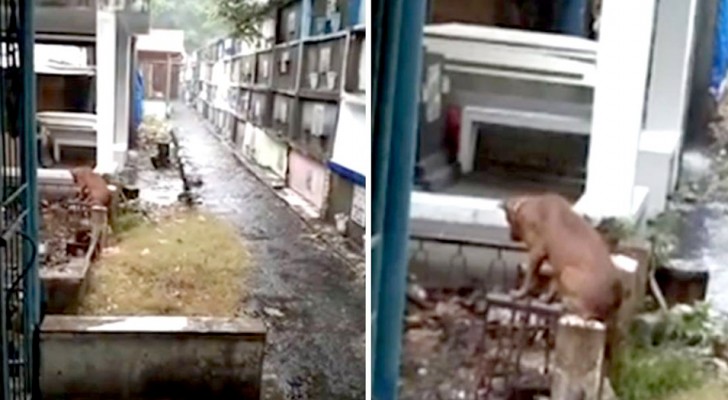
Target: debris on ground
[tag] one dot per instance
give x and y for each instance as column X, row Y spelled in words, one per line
column 444, row 354
column 61, row 223
column 187, row 263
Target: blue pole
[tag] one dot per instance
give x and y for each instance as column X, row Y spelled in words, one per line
column 573, row 17
column 384, row 78
column 31, row 282
column 407, row 17
column 30, row 158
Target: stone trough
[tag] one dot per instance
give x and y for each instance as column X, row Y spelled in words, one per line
column 63, row 284
column 151, row 357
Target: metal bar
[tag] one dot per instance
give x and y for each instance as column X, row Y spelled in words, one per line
column 399, row 122
column 13, row 227
column 472, row 241
column 31, row 282
column 384, row 72
column 13, row 196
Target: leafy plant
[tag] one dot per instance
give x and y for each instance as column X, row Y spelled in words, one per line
column 245, row 16
column 694, row 326
column 661, row 233
column 192, row 16
column 616, row 229
column 655, row 373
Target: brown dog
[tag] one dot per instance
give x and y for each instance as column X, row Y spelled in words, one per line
column 93, row 187
column 582, row 270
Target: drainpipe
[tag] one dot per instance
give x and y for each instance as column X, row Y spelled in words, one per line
column 573, row 17
column 397, row 71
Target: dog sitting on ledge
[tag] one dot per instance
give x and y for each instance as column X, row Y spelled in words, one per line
column 583, row 275
column 93, row 188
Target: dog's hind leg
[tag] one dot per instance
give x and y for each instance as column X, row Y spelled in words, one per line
column 551, row 292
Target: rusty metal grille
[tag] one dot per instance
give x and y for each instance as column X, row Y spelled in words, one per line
column 514, row 356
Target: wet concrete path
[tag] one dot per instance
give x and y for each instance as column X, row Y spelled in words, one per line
column 309, row 297
column 703, row 228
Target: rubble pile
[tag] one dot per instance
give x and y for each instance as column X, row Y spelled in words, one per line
column 448, row 341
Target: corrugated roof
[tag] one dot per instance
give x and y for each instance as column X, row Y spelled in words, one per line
column 162, row 40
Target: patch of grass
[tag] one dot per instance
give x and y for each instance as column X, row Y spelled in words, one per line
column 126, row 221
column 712, row 390
column 655, row 373
column 187, row 264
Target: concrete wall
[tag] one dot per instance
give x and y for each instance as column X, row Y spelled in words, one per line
column 151, row 357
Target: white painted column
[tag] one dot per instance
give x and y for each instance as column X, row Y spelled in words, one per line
column 619, row 99
column 105, row 90
column 122, row 77
column 667, row 102
column 671, row 65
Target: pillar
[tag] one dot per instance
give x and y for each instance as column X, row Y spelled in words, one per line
column 578, row 359
column 671, row 65
column 122, row 78
column 105, row 90
column 625, row 42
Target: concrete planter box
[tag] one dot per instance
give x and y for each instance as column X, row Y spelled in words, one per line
column 328, row 19
column 284, row 113
column 264, row 68
column 288, row 22
column 356, row 79
column 318, row 127
column 323, row 62
column 242, row 107
column 247, row 69
column 151, row 357
column 285, row 71
column 261, row 107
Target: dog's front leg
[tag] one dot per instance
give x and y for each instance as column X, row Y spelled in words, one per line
column 536, row 257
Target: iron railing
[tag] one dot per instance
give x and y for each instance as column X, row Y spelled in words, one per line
column 20, row 300
column 514, row 355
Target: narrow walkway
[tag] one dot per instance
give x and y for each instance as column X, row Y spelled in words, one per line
column 309, row 298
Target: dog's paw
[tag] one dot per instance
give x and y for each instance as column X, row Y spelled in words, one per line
column 547, row 298
column 518, row 294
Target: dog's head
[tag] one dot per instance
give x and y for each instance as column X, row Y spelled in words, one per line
column 512, row 207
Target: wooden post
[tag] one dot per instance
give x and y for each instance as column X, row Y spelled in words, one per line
column 113, row 207
column 99, row 224
column 578, row 359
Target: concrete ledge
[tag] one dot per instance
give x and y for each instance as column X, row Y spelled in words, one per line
column 64, row 285
column 151, row 357
column 438, row 215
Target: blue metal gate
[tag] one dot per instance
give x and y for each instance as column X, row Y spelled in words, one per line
column 19, row 303
column 397, row 27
